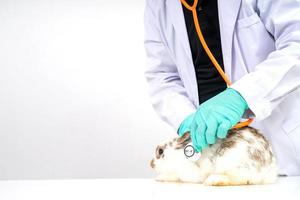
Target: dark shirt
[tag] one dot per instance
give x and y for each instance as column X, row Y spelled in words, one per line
column 209, row 81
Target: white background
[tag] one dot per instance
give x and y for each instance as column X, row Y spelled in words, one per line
column 73, row 97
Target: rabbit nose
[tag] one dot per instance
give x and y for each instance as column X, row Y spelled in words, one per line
column 152, row 165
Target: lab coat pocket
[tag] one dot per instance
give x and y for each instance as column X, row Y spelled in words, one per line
column 252, row 41
column 248, row 21
column 291, row 126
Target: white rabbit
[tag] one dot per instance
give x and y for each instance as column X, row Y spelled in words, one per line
column 243, row 157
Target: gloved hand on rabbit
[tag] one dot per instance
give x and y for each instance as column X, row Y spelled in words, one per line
column 214, row 118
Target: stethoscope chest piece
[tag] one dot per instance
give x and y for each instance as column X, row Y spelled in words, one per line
column 190, row 153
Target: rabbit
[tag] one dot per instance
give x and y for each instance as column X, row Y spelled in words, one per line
column 244, row 157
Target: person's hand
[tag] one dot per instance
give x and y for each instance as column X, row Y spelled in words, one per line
column 185, row 126
column 215, row 117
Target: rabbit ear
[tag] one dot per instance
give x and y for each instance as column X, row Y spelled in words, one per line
column 183, row 140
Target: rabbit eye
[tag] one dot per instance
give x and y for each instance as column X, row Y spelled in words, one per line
column 160, row 151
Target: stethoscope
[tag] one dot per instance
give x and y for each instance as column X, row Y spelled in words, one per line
column 209, row 53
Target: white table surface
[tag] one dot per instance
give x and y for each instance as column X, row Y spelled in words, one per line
column 287, row 188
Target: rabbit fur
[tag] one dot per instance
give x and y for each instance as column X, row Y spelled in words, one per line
column 243, row 157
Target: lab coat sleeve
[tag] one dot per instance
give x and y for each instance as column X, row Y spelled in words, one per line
column 273, row 79
column 167, row 93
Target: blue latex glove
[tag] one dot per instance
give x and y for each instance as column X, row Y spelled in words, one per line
column 185, row 126
column 215, row 117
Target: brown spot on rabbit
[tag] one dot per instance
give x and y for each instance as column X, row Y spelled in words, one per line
column 224, row 146
column 257, row 134
column 258, row 156
column 182, row 141
column 152, row 165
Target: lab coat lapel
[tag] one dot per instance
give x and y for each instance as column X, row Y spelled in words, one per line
column 183, row 52
column 228, row 12
column 177, row 18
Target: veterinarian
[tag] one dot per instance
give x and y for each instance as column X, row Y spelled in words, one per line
column 257, row 44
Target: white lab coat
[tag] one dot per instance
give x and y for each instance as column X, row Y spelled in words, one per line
column 261, row 53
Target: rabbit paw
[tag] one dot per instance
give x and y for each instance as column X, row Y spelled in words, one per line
column 217, row 180
column 166, row 178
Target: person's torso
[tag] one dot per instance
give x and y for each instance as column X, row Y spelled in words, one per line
column 245, row 44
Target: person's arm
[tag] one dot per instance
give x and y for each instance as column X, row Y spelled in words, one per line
column 279, row 75
column 167, row 93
